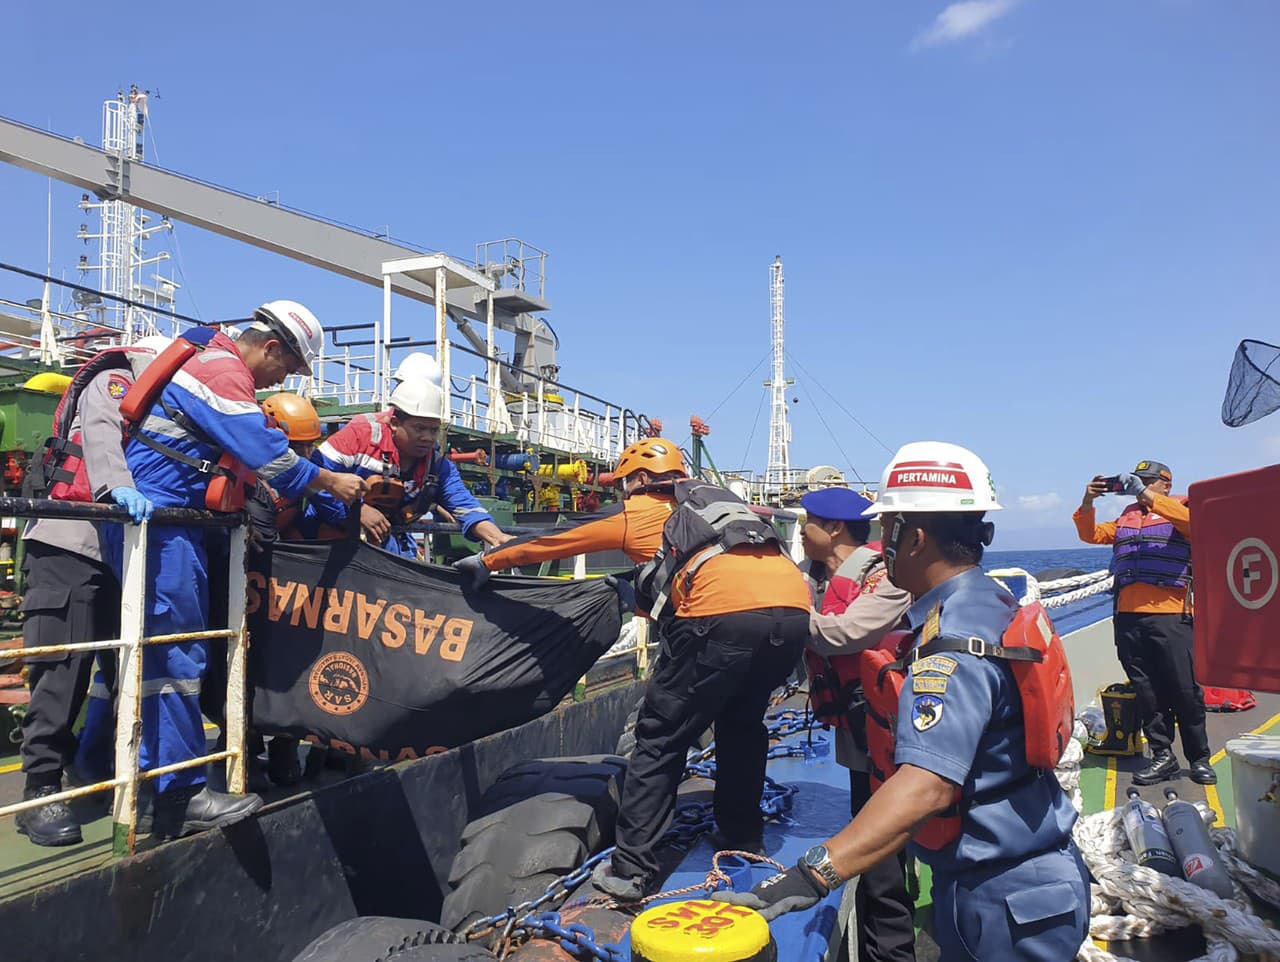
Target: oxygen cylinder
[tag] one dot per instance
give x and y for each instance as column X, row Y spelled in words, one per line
column 1147, row 836
column 1195, row 849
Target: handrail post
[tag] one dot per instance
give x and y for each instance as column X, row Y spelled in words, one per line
column 579, row 574
column 133, row 607
column 237, row 663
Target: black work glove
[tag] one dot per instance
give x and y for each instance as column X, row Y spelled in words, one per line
column 626, row 592
column 794, row 890
column 472, row 566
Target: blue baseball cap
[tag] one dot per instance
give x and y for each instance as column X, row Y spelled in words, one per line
column 835, row 504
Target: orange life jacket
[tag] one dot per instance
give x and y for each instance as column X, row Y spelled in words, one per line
column 230, row 480
column 1032, row 647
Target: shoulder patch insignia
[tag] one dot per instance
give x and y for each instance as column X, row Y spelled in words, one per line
column 929, row 684
column 926, row 711
column 872, row 581
column 117, row 387
column 938, row 663
column 931, row 624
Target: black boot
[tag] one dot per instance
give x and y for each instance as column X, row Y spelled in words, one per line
column 1163, row 767
column 283, row 767
column 1202, row 772
column 51, row 824
column 184, row 811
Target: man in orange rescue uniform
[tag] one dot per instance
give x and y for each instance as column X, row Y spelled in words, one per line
column 1152, row 567
column 734, row 615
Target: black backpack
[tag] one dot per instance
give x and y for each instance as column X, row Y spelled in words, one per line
column 707, row 521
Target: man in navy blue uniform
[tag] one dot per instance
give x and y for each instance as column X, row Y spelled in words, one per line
column 1008, row 882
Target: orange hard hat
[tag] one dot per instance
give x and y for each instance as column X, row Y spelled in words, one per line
column 655, row 455
column 293, row 415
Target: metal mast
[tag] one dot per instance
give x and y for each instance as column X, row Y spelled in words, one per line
column 124, row 229
column 779, row 467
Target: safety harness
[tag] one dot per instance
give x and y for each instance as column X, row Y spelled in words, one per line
column 707, row 521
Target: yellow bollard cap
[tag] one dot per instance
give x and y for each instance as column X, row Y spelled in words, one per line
column 701, row 930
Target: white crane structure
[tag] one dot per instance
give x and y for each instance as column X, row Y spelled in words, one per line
column 778, row 471
column 123, row 231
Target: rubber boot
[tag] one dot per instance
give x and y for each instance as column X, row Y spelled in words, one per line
column 623, row 888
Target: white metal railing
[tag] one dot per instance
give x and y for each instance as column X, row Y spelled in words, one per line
column 130, row 644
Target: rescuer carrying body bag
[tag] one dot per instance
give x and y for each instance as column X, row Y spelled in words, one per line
column 707, row 521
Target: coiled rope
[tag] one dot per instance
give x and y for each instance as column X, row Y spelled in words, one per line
column 1130, row 901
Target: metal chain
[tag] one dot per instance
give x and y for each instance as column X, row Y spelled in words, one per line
column 689, row 823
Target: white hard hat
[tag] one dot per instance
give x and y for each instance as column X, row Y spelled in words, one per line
column 145, row 350
column 934, row 476
column 297, row 327
column 418, row 366
column 419, row 399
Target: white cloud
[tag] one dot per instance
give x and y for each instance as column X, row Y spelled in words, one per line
column 1040, row 502
column 962, row 20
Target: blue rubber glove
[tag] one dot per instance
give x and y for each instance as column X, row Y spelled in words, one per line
column 1133, row 484
column 794, row 890
column 625, row 589
column 138, row 506
column 473, row 567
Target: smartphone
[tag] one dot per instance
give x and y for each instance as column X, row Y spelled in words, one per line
column 1113, row 484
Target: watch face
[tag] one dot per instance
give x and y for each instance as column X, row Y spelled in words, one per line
column 816, row 855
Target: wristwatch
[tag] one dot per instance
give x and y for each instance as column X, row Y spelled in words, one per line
column 819, row 861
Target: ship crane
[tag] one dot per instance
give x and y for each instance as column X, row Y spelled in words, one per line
column 118, row 176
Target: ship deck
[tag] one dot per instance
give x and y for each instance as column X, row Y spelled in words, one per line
column 26, row 868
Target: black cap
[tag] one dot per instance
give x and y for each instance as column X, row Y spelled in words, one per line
column 1153, row 471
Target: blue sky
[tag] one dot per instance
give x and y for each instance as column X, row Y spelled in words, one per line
column 1037, row 229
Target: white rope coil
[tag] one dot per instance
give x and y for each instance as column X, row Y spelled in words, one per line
column 1154, row 903
column 1061, row 584
column 1097, row 588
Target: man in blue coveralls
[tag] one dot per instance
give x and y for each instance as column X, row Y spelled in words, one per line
column 208, row 407
column 1008, row 882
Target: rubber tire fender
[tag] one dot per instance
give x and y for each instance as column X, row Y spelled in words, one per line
column 539, row 821
column 376, row 938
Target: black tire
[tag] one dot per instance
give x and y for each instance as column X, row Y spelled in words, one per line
column 375, row 938
column 540, row 820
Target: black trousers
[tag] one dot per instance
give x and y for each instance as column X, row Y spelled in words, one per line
column 716, row 670
column 69, row 599
column 1156, row 652
column 885, row 912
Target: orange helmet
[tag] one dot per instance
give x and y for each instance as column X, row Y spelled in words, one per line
column 293, row 415
column 655, row 455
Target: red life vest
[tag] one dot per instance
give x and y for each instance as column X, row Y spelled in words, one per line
column 230, row 480
column 63, row 464
column 1032, row 647
column 835, row 688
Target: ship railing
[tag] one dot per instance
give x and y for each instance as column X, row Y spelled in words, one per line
column 133, row 639
column 513, row 265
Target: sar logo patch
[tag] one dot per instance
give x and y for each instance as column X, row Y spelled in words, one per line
column 926, row 711
column 930, row 684
column 939, row 663
column 117, row 387
column 339, row 684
